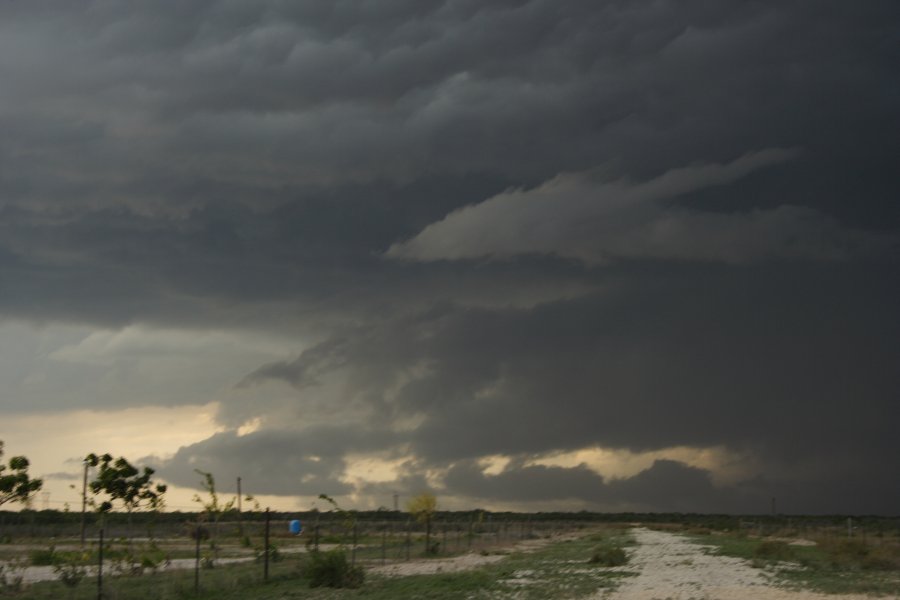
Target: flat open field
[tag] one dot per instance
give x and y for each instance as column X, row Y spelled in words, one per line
column 600, row 562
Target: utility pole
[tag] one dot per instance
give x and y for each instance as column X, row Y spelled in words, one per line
column 396, row 502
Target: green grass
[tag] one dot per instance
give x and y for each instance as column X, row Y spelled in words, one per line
column 833, row 565
column 559, row 570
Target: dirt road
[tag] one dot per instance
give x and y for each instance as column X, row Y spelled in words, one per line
column 672, row 568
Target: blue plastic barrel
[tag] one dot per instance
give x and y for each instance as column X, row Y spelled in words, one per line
column 295, row 527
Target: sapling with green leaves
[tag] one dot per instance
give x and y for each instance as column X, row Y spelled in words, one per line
column 422, row 508
column 122, row 482
column 213, row 507
column 330, row 568
column 348, row 517
column 15, row 483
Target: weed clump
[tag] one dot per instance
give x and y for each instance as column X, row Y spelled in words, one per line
column 12, row 577
column 275, row 555
column 42, row 558
column 332, row 569
column 773, row 550
column 612, row 556
column 853, row 555
column 70, row 574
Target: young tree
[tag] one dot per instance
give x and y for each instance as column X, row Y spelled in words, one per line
column 330, row 568
column 15, row 484
column 123, row 482
column 213, row 508
column 422, row 508
column 348, row 518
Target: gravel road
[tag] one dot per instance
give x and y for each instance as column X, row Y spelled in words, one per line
column 673, row 568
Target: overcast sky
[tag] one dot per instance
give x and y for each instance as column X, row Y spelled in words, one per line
column 530, row 255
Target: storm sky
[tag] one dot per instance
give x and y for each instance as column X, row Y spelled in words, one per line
column 529, row 255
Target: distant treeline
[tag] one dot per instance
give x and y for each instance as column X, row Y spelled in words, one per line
column 711, row 521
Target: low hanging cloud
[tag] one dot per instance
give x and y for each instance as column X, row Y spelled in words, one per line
column 281, row 463
column 575, row 216
column 666, row 485
column 682, row 355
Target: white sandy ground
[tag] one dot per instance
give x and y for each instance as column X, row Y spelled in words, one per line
column 466, row 562
column 670, row 568
column 36, row 574
column 673, row 568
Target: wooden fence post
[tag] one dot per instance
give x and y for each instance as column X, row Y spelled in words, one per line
column 266, row 551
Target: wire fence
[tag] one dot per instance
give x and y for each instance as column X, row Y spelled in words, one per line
column 119, row 560
column 176, row 554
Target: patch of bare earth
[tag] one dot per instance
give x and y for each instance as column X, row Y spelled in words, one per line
column 466, row 562
column 672, row 568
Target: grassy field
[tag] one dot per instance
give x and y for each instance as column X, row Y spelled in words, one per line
column 834, row 565
column 577, row 567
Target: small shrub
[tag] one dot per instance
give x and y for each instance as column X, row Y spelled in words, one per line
column 12, row 577
column 154, row 558
column 773, row 550
column 70, row 574
column 331, row 569
column 43, row 558
column 612, row 556
column 274, row 554
column 852, row 555
column 884, row 558
column 125, row 566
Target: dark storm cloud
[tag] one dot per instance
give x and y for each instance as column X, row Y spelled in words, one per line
column 790, row 364
column 273, row 95
column 662, row 364
column 284, row 463
column 526, row 483
column 260, row 166
column 665, row 486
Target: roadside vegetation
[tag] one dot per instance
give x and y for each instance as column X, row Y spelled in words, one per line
column 575, row 568
column 835, row 554
column 831, row 564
